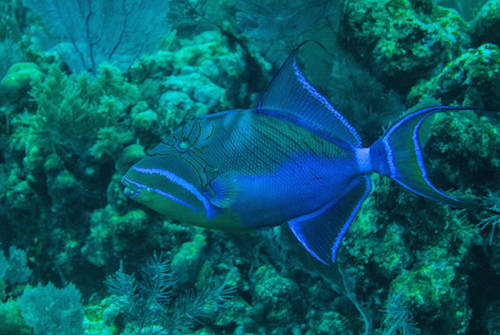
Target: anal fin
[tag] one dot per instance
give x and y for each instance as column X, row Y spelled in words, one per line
column 321, row 232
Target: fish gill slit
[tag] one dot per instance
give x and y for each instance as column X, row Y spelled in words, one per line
column 205, row 162
column 195, row 168
column 212, row 130
column 199, row 133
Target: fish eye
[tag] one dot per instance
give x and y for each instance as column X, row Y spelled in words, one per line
column 182, row 145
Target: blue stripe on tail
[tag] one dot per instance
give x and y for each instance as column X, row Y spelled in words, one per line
column 398, row 155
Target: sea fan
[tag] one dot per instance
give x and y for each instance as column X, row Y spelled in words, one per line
column 398, row 318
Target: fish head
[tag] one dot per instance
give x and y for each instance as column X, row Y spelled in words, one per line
column 183, row 177
column 170, row 179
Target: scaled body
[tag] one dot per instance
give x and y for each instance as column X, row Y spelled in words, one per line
column 294, row 159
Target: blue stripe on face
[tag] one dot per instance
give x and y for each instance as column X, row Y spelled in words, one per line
column 158, row 191
column 209, row 209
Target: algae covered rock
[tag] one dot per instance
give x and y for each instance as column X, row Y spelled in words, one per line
column 486, row 25
column 176, row 107
column 20, row 76
column 464, row 150
column 111, row 233
column 11, row 321
column 436, row 288
column 208, row 69
column 275, row 295
column 130, row 155
column 471, row 79
column 145, row 122
column 402, row 40
column 187, row 261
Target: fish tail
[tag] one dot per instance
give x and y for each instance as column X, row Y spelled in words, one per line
column 398, row 154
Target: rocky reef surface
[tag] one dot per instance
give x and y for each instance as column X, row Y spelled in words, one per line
column 78, row 257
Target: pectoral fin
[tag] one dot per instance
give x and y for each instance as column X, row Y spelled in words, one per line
column 321, row 232
column 223, row 190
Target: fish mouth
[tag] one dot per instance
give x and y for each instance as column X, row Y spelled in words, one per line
column 130, row 188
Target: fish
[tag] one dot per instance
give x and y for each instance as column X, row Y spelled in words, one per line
column 293, row 160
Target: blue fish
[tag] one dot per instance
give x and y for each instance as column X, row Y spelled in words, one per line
column 294, row 159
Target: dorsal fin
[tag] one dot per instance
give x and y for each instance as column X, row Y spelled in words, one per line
column 289, row 92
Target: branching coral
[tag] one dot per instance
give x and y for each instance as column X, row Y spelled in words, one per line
column 147, row 304
column 72, row 113
column 491, row 220
column 398, row 319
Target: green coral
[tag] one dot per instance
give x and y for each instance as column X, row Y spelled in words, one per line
column 471, row 79
column 487, row 24
column 11, row 321
column 20, row 76
column 18, row 194
column 70, row 111
column 111, row 233
column 402, row 40
column 187, row 261
column 464, row 150
column 272, row 289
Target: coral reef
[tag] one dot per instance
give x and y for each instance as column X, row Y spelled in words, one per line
column 486, row 24
column 407, row 265
column 19, row 76
column 402, row 40
column 471, row 79
column 49, row 310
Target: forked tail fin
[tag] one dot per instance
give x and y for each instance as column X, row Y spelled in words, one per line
column 398, row 155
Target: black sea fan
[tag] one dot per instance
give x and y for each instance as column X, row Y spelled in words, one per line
column 398, row 318
column 148, row 307
column 95, row 31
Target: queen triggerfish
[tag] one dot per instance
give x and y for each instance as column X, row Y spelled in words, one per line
column 294, row 159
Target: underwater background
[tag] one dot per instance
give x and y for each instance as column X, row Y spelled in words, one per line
column 87, row 86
